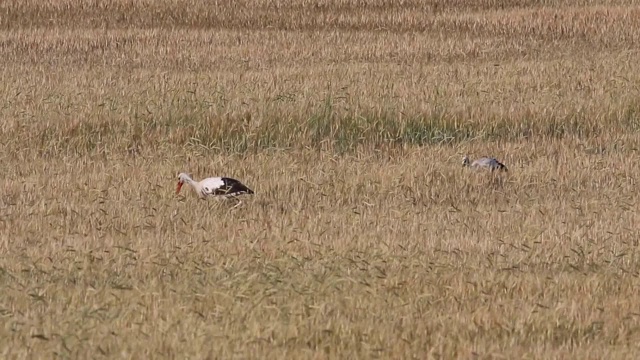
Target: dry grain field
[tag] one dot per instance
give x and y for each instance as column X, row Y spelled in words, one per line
column 366, row 238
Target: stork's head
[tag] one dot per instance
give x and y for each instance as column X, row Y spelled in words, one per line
column 182, row 178
column 465, row 160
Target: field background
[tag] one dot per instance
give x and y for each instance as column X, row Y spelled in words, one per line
column 366, row 238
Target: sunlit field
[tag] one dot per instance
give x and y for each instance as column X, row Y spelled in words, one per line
column 366, row 237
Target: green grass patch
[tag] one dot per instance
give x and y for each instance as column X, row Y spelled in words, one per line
column 322, row 129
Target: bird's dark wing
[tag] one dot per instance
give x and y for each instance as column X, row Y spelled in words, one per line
column 500, row 166
column 232, row 187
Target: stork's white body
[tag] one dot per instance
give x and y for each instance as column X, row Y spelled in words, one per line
column 214, row 186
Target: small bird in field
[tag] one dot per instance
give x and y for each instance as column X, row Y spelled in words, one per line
column 214, row 186
column 485, row 163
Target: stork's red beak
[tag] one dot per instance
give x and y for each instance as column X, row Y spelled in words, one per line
column 179, row 187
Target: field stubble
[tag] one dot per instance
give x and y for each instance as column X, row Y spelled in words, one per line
column 366, row 237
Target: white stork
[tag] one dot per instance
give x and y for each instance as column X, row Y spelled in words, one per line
column 213, row 186
column 484, row 162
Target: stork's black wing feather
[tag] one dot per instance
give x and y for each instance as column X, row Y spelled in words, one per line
column 232, row 187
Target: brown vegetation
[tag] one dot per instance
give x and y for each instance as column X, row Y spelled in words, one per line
column 366, row 238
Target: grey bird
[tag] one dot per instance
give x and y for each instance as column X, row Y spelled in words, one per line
column 485, row 163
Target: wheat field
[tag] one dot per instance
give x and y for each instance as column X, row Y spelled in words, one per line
column 366, row 237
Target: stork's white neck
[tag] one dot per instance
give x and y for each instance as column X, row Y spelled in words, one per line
column 190, row 180
column 186, row 178
column 195, row 185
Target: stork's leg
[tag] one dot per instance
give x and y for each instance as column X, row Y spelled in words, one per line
column 238, row 202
